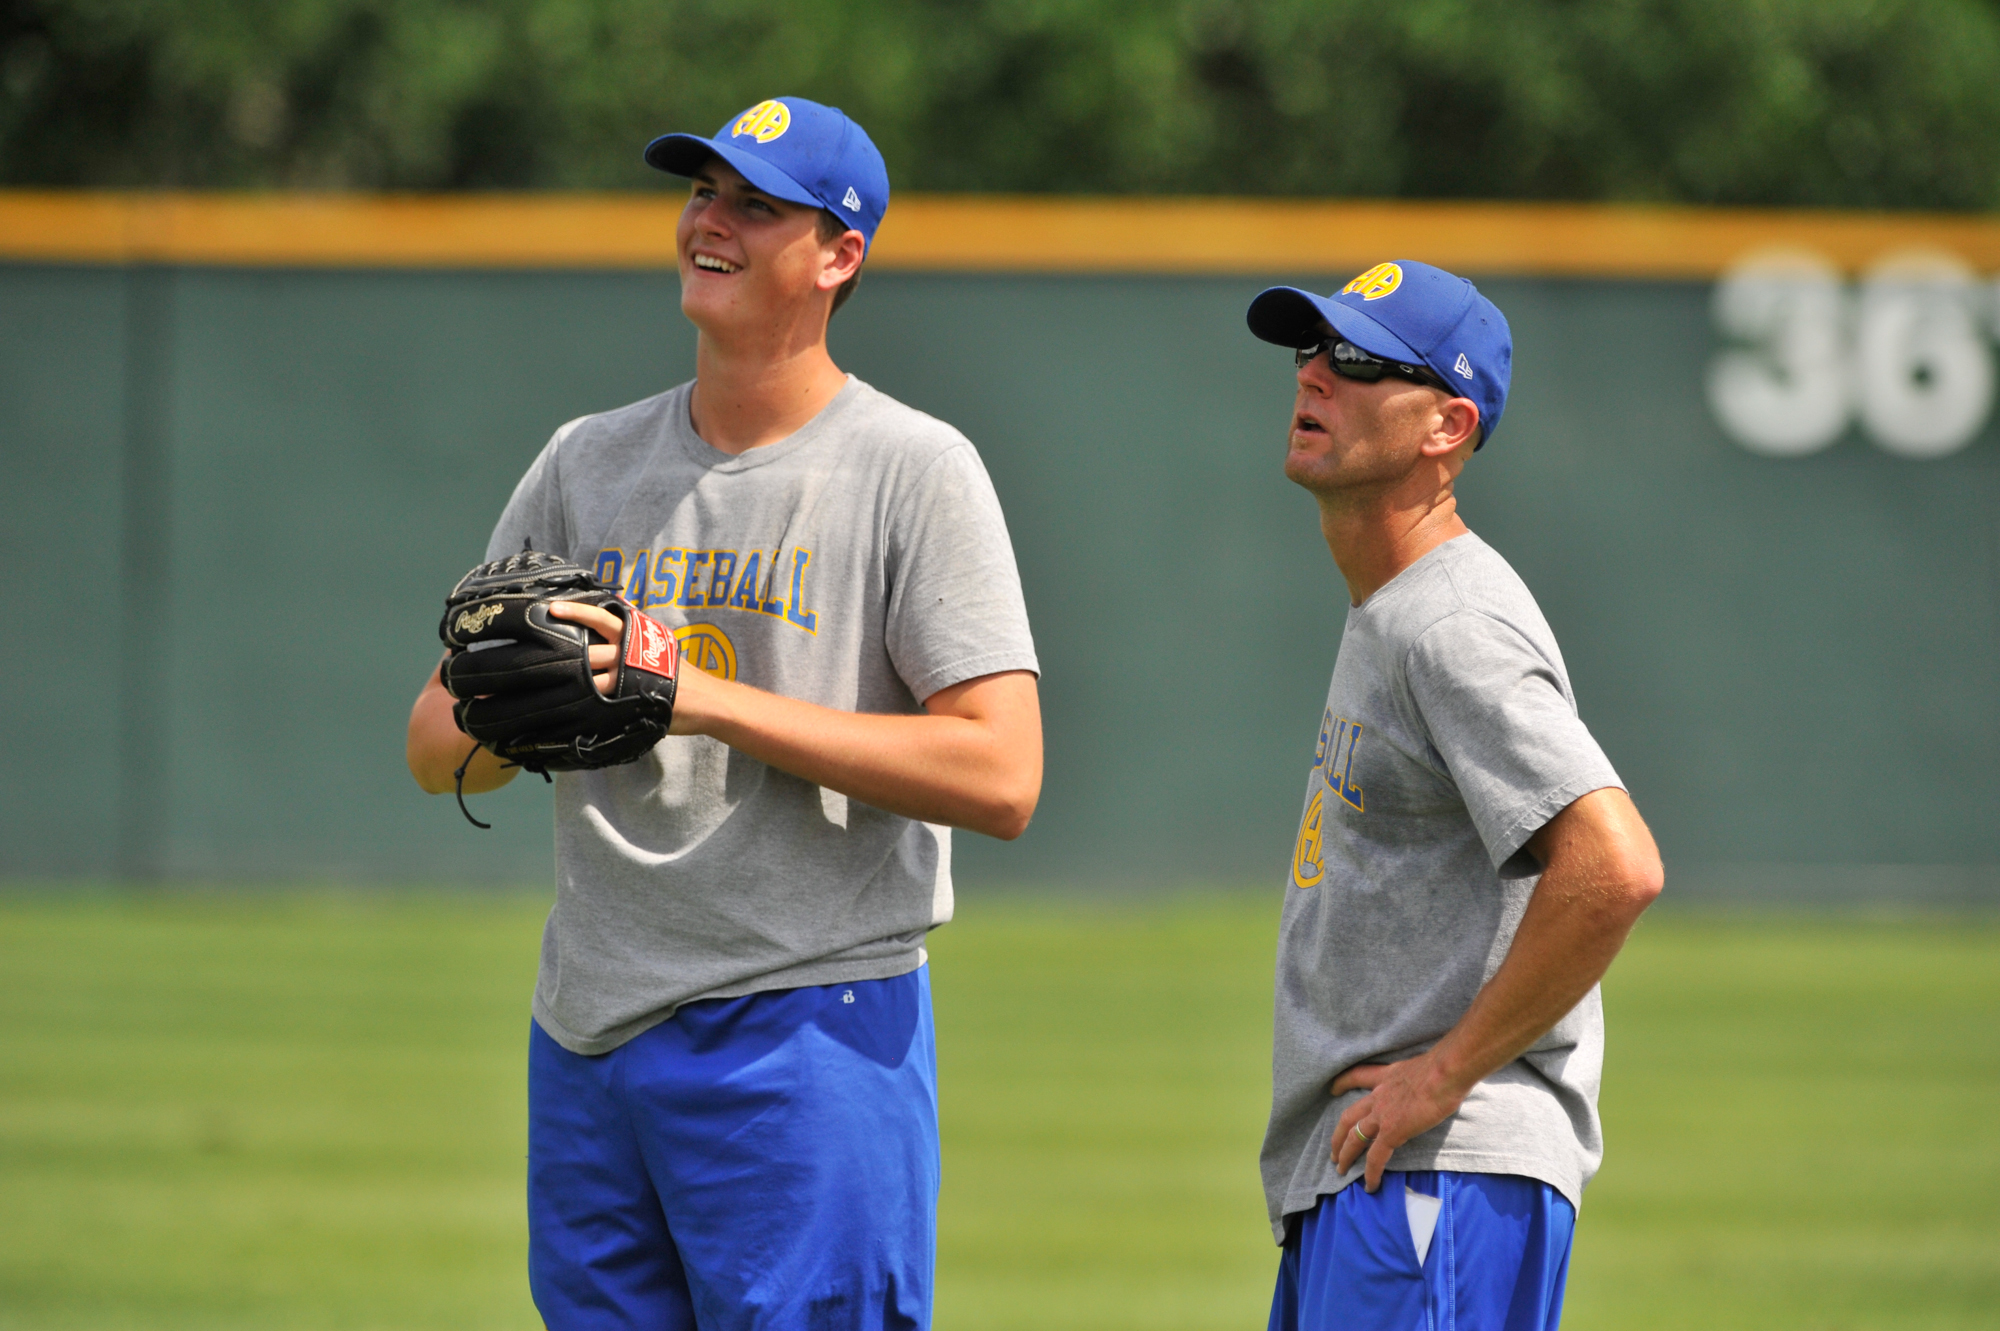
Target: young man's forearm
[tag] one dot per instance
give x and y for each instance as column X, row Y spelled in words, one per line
column 974, row 762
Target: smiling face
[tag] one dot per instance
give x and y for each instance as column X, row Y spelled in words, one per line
column 748, row 260
column 1349, row 437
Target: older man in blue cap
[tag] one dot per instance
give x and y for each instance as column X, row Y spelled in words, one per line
column 1467, row 862
column 732, row 1101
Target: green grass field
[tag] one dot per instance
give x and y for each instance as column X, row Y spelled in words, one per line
column 300, row 1110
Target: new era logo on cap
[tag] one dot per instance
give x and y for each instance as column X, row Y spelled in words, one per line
column 1462, row 365
column 850, row 200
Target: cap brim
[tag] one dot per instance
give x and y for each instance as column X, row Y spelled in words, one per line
column 1291, row 317
column 683, row 154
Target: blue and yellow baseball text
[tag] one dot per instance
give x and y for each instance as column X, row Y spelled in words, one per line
column 758, row 582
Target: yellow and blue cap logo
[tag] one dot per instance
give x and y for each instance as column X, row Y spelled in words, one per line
column 763, row 122
column 1376, row 283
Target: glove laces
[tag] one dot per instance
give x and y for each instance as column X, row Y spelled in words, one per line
column 458, row 787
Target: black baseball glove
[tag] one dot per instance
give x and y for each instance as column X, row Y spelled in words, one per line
column 523, row 679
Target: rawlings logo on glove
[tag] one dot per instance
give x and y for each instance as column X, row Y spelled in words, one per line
column 471, row 621
column 649, row 646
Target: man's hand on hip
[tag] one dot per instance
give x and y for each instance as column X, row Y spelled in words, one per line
column 1404, row 1099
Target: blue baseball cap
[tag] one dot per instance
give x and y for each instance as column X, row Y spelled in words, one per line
column 1410, row 312
column 794, row 150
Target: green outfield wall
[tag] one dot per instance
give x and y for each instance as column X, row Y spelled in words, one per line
column 233, row 498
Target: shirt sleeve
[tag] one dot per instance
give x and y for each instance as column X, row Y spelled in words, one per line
column 955, row 606
column 535, row 516
column 1501, row 716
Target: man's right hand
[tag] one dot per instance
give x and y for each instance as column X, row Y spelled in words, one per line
column 1404, row 1100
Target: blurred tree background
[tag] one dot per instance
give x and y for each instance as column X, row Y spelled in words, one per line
column 1860, row 103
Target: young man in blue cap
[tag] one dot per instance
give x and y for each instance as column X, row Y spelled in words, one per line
column 1466, row 867
column 732, row 1085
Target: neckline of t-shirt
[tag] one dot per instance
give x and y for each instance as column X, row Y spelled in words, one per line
column 705, row 454
column 1436, row 552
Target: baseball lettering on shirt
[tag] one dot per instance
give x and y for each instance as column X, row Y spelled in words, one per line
column 1334, row 756
column 771, row 583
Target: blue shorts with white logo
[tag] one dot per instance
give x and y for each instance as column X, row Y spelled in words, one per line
column 761, row 1162
column 1432, row 1250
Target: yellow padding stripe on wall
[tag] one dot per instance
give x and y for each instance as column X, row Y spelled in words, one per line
column 965, row 233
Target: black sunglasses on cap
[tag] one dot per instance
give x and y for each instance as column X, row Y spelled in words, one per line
column 1351, row 362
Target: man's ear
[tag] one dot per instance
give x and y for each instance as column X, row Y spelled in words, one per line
column 845, row 261
column 1457, row 428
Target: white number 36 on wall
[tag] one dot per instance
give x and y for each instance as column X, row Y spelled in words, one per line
column 1903, row 350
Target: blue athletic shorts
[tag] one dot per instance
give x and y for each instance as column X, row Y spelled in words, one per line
column 763, row 1162
column 1430, row 1251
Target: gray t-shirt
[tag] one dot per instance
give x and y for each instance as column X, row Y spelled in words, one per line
column 1450, row 737
column 862, row 563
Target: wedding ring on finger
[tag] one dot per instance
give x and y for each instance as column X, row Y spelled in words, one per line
column 1365, row 1138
